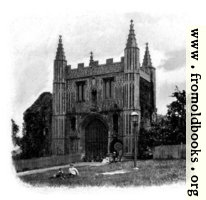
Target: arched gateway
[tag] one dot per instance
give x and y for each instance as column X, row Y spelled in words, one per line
column 96, row 140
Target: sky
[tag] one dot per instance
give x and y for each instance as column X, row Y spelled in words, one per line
column 34, row 42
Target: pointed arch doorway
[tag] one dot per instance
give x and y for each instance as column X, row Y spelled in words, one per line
column 96, row 140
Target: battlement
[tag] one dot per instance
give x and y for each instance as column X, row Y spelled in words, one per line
column 94, row 70
column 102, row 69
column 109, row 61
column 81, row 66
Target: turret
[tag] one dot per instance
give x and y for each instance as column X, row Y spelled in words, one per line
column 131, row 100
column 147, row 64
column 131, row 71
column 59, row 103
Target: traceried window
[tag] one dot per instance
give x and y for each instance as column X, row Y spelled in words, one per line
column 108, row 87
column 80, row 91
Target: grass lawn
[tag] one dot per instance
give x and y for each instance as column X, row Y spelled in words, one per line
column 150, row 172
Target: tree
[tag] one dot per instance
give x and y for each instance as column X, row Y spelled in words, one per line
column 15, row 130
column 169, row 129
column 176, row 116
column 157, row 135
column 37, row 128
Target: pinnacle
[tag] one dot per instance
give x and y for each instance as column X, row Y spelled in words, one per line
column 60, row 50
column 147, row 59
column 91, row 58
column 131, row 41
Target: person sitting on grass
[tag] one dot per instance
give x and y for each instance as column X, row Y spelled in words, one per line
column 59, row 174
column 73, row 171
column 105, row 160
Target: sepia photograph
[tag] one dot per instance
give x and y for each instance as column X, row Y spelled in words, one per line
column 98, row 98
column 104, row 120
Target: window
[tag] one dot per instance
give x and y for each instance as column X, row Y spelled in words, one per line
column 73, row 123
column 94, row 96
column 108, row 87
column 81, row 91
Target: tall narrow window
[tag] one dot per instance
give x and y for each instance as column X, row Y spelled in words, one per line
column 80, row 91
column 108, row 88
column 94, row 96
column 73, row 123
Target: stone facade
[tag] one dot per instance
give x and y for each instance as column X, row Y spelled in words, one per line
column 92, row 104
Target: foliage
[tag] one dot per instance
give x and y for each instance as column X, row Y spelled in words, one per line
column 14, row 130
column 176, row 116
column 169, row 129
column 36, row 128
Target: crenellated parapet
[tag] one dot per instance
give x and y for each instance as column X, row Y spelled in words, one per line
column 80, row 66
column 95, row 69
column 109, row 61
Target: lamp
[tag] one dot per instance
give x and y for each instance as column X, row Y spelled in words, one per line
column 135, row 120
column 134, row 116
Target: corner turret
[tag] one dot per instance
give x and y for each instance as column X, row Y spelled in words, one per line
column 131, row 90
column 58, row 101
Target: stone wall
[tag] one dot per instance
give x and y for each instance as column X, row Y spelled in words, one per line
column 102, row 104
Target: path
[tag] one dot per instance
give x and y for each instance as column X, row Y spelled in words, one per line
column 35, row 171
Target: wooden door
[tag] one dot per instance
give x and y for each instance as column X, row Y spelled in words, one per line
column 96, row 140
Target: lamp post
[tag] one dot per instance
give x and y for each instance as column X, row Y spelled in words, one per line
column 135, row 120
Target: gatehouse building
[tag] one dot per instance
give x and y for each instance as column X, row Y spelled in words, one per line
column 92, row 104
